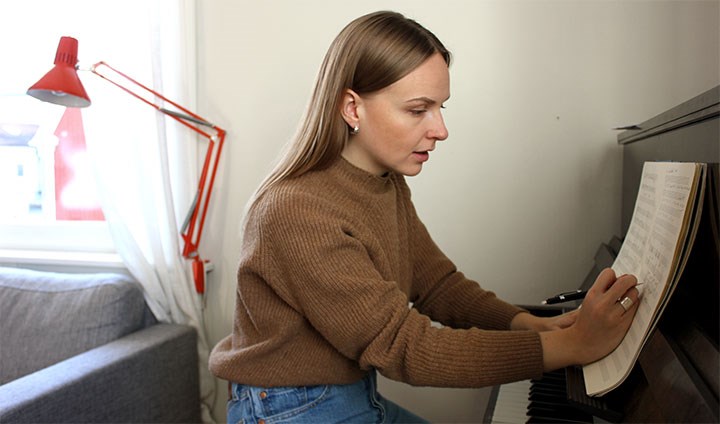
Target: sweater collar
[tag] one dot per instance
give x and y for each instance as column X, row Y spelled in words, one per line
column 364, row 179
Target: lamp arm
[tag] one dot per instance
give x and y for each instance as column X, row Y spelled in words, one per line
column 192, row 228
column 183, row 118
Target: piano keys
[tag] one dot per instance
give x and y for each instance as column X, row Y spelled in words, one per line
column 509, row 403
column 538, row 401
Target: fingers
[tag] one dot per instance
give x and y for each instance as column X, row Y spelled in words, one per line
column 614, row 288
column 565, row 320
column 604, row 280
column 621, row 286
column 610, row 291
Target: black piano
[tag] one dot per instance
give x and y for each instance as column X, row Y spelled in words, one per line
column 677, row 375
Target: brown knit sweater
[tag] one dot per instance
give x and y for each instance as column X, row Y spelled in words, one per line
column 338, row 276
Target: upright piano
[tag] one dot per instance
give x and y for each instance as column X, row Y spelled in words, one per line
column 676, row 377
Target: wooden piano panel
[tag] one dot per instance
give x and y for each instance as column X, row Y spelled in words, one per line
column 677, row 396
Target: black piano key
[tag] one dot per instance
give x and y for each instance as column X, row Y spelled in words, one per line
column 549, row 392
column 545, row 390
column 542, row 397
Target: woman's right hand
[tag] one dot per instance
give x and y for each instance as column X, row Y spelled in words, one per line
column 600, row 326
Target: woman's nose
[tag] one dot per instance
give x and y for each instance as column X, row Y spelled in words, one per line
column 439, row 131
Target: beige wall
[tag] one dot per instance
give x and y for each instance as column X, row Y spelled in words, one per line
column 527, row 185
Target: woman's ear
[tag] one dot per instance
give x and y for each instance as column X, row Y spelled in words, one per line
column 349, row 108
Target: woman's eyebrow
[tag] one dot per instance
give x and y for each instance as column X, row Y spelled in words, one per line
column 424, row 99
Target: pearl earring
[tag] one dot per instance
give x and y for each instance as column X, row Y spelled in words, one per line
column 355, row 130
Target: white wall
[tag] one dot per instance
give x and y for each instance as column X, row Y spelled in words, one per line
column 528, row 184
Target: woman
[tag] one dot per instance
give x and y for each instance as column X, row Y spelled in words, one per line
column 338, row 276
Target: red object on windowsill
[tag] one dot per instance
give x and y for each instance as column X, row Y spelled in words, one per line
column 61, row 85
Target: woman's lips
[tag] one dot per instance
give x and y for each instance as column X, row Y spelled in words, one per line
column 422, row 156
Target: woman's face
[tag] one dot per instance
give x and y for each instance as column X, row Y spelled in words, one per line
column 400, row 124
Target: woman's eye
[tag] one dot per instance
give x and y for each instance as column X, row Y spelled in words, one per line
column 418, row 111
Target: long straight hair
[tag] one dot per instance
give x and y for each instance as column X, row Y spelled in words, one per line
column 370, row 53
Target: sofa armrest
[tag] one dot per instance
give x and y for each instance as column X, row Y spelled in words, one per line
column 147, row 376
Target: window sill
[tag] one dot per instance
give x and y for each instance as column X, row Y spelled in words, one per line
column 60, row 260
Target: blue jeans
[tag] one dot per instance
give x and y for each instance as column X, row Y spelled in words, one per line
column 352, row 403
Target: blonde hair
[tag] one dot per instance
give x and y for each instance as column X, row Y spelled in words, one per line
column 369, row 54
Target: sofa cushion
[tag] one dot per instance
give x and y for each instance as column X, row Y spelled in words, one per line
column 47, row 317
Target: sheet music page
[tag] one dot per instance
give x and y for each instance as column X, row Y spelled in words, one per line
column 650, row 251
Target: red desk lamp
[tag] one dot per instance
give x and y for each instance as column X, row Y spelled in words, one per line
column 62, row 86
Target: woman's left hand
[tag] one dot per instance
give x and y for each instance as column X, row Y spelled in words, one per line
column 561, row 321
column 526, row 321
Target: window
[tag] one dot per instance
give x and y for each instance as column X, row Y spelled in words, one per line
column 46, row 180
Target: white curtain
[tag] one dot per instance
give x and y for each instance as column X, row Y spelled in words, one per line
column 147, row 170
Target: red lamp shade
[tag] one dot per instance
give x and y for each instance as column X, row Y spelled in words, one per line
column 62, row 85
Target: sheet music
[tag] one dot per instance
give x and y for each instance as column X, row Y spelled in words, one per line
column 657, row 236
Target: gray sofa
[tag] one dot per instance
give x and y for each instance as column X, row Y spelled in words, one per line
column 84, row 348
